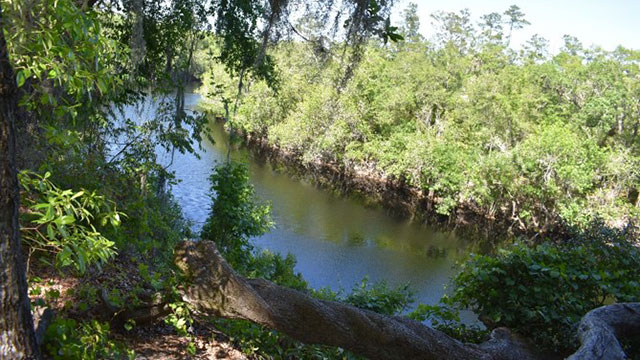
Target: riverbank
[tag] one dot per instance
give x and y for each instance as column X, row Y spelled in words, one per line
column 399, row 198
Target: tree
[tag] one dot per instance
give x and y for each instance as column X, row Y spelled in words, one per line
column 536, row 48
column 455, row 29
column 515, row 20
column 17, row 336
column 491, row 26
column 411, row 23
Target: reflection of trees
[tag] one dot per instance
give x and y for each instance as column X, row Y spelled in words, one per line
column 436, row 252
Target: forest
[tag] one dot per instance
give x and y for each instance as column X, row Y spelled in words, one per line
column 99, row 258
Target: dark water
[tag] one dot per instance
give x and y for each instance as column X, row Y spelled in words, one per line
column 337, row 241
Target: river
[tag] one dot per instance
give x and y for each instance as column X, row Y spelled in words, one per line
column 337, row 241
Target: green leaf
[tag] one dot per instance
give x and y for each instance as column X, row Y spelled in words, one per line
column 50, row 233
column 67, row 219
column 78, row 194
column 20, row 78
column 115, row 220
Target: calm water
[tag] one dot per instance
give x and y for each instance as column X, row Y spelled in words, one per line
column 337, row 241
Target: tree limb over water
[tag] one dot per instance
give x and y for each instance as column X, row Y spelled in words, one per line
column 216, row 289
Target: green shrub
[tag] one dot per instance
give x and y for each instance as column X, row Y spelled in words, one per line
column 235, row 214
column 274, row 267
column 542, row 292
column 66, row 222
column 69, row 340
column 379, row 297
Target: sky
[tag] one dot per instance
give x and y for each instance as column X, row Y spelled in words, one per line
column 606, row 23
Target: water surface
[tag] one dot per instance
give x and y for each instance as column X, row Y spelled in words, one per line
column 337, row 241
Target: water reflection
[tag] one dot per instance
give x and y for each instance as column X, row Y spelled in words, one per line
column 337, row 241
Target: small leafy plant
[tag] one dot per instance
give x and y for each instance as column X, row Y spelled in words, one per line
column 236, row 214
column 68, row 339
column 64, row 222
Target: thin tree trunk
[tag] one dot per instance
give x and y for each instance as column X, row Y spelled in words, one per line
column 17, row 336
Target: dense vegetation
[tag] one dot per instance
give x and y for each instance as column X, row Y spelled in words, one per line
column 527, row 137
column 543, row 291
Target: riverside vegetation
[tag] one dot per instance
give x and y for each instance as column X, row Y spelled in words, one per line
column 528, row 138
column 533, row 139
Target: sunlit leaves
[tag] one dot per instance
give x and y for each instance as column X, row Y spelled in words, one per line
column 66, row 222
column 64, row 50
column 525, row 136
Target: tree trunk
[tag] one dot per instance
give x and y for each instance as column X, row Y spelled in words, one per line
column 600, row 328
column 17, row 337
column 215, row 289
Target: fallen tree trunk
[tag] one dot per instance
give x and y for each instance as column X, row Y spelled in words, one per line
column 214, row 288
column 600, row 328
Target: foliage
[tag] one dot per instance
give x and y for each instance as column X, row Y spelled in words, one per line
column 538, row 139
column 380, row 298
column 526, row 137
column 446, row 318
column 67, row 339
column 235, row 214
column 62, row 50
column 64, row 222
column 542, row 292
column 274, row 267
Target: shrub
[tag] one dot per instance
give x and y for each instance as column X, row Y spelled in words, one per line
column 66, row 339
column 235, row 215
column 542, row 292
column 65, row 222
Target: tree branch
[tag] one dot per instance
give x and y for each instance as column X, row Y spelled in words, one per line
column 216, row 289
column 599, row 330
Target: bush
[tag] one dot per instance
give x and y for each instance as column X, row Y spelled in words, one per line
column 235, row 215
column 379, row 297
column 66, row 339
column 542, row 292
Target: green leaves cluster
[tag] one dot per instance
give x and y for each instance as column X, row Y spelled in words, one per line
column 235, row 213
column 68, row 339
column 60, row 56
column 380, row 298
column 543, row 292
column 66, row 222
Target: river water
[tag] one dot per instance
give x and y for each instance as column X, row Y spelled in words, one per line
column 337, row 241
